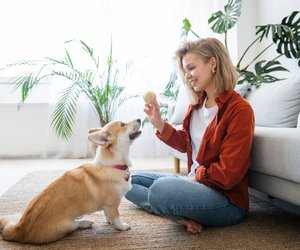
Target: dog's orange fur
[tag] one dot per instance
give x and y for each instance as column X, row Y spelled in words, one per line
column 91, row 187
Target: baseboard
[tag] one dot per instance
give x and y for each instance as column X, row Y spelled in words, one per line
column 294, row 209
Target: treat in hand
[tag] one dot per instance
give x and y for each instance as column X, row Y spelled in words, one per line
column 149, row 96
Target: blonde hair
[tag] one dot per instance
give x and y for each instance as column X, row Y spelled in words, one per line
column 225, row 76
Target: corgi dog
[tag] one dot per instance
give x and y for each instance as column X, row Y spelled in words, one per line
column 99, row 185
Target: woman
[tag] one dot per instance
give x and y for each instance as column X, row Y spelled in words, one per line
column 217, row 135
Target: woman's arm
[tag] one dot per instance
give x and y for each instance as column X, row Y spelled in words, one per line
column 176, row 139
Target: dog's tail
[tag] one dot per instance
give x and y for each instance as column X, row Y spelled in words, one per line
column 8, row 227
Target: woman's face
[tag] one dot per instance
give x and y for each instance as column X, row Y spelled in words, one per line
column 197, row 73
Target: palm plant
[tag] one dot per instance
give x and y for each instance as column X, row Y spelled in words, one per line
column 99, row 86
column 286, row 36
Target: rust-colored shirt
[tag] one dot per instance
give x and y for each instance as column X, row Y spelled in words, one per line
column 224, row 153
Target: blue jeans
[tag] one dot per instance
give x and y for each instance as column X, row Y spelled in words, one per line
column 177, row 198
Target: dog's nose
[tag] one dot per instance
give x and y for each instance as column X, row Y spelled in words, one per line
column 138, row 120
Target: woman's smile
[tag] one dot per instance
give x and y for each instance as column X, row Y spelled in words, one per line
column 193, row 82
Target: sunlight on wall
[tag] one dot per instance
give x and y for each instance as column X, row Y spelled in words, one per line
column 146, row 32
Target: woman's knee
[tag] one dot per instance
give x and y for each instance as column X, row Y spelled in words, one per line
column 161, row 191
column 145, row 178
column 142, row 179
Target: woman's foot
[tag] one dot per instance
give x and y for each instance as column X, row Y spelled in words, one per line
column 191, row 226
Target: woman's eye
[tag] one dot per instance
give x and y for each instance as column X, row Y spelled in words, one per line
column 122, row 124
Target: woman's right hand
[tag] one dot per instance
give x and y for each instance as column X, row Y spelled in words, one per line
column 153, row 112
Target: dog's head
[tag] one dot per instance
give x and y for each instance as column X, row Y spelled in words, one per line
column 116, row 135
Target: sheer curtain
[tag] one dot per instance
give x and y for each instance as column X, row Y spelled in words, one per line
column 144, row 31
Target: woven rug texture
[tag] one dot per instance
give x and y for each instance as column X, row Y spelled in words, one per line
column 265, row 226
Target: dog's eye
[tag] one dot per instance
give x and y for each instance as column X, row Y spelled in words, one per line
column 122, row 124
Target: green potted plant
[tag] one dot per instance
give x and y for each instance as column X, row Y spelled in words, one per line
column 100, row 85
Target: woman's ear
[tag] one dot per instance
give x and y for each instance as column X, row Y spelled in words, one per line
column 213, row 63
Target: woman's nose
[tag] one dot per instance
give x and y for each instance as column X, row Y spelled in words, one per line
column 187, row 75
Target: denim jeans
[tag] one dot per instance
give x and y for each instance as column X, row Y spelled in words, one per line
column 177, row 198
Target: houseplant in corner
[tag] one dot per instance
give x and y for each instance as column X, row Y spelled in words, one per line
column 100, row 85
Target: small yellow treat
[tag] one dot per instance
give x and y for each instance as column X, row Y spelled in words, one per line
column 149, row 96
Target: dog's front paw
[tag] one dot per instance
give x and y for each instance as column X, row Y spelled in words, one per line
column 118, row 224
column 122, row 226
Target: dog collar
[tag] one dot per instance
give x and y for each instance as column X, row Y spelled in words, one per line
column 122, row 167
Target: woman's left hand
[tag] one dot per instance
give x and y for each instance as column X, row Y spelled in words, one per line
column 192, row 178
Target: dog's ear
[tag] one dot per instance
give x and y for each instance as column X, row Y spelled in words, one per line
column 93, row 130
column 94, row 145
column 101, row 138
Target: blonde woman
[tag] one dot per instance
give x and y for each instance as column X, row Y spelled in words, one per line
column 217, row 135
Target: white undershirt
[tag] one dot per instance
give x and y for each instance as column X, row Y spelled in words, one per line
column 200, row 119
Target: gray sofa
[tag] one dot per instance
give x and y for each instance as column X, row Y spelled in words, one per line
column 275, row 155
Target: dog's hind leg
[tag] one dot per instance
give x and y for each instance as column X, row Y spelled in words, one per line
column 112, row 215
column 8, row 228
column 58, row 231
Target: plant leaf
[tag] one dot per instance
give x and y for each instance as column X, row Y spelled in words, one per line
column 261, row 74
column 68, row 59
column 65, row 110
column 222, row 22
column 288, row 40
column 185, row 28
column 285, row 35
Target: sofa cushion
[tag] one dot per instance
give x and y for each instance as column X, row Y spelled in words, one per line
column 276, row 104
column 275, row 151
column 243, row 89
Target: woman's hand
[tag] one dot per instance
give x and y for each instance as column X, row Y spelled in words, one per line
column 192, row 178
column 153, row 112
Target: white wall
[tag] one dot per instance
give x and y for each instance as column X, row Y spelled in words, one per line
column 26, row 131
column 246, row 30
column 260, row 12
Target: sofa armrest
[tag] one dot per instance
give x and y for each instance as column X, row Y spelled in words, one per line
column 170, row 111
column 177, row 110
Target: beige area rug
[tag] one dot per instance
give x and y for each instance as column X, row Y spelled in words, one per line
column 265, row 227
